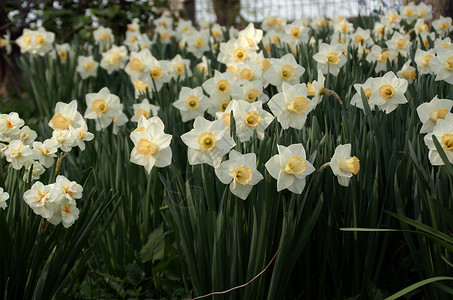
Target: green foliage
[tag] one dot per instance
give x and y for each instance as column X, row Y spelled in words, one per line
column 179, row 232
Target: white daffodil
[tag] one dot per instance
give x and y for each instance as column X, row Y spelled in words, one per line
column 164, row 35
column 87, row 66
column 217, row 31
column 159, row 73
column 271, row 37
column 380, row 30
column 163, row 21
column 442, row 65
column 442, row 25
column 103, row 107
column 5, row 42
column 422, row 59
column 430, row 112
column 39, row 198
column 114, row 59
column 184, row 27
column 391, row 19
column 424, row 11
column 330, row 59
column 252, row 35
column 408, row 13
column 143, row 86
column 45, row 152
column 315, row 89
column 250, row 117
column 250, row 91
column 81, row 135
column 139, row 63
column 192, row 103
column 25, row 41
column 37, row 170
column 388, row 91
column 444, row 134
column 226, row 115
column 103, row 37
column 296, row 33
column 291, row 106
column 343, row 165
column 152, row 145
column 27, row 135
column 343, row 27
column 208, row 142
column 3, row 197
column 179, row 67
column 240, row 173
column 132, row 41
column 64, row 139
column 407, row 72
column 63, row 51
column 290, row 167
column 118, row 122
column 10, row 125
column 441, row 45
column 18, row 154
column 41, row 41
column 197, row 44
column 399, row 44
column 203, row 65
column 367, row 89
column 63, row 195
column 66, row 189
column 422, row 29
column 250, row 71
column 65, row 213
column 144, row 109
column 283, row 70
column 236, row 51
column 219, row 85
column 66, row 115
column 361, row 37
column 381, row 57
column 271, row 22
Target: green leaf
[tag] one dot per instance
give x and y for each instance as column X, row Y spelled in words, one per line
column 154, row 248
column 134, row 274
column 416, row 286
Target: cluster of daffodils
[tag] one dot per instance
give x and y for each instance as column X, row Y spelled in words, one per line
column 37, row 42
column 263, row 78
column 385, row 92
column 19, row 145
column 437, row 121
column 55, row 202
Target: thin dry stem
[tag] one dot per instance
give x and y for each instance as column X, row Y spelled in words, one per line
column 331, row 93
column 256, row 276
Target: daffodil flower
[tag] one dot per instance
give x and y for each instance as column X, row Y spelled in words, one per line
column 290, row 167
column 240, row 173
column 430, row 112
column 151, row 144
column 343, row 165
column 444, row 134
column 3, row 197
column 208, row 142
